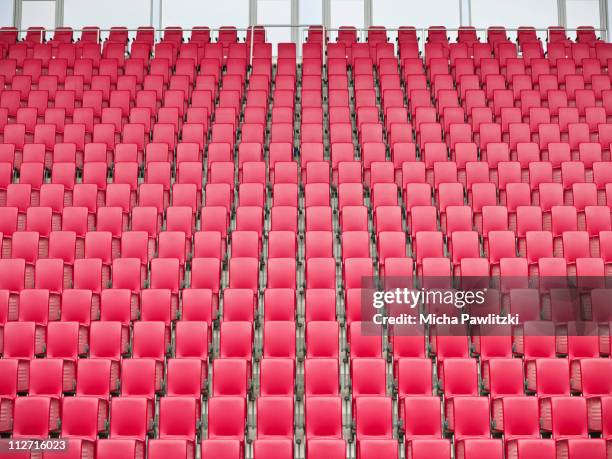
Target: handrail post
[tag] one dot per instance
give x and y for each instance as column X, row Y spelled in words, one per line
column 423, row 40
column 324, row 44
column 251, row 46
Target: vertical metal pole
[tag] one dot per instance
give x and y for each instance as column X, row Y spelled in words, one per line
column 469, row 2
column 295, row 20
column 59, row 13
column 251, row 45
column 608, row 22
column 603, row 19
column 252, row 13
column 159, row 20
column 324, row 43
column 17, row 13
column 562, row 12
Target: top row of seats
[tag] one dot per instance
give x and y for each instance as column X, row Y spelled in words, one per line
column 346, row 34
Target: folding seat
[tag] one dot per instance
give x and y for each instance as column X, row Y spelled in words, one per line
column 368, row 377
column 594, row 116
column 384, row 194
column 115, row 305
column 337, row 97
column 355, row 218
column 362, row 344
column 321, row 375
column 249, row 218
column 28, row 117
column 578, row 134
column 219, row 448
column 421, row 418
column 539, row 244
column 170, row 447
column 166, row 274
column 459, row 377
column 585, row 98
column 320, row 305
column 192, row 342
column 108, row 340
column 566, row 417
column 14, row 134
column 413, row 373
column 575, row 245
column 428, row 244
column 320, row 273
column 251, row 194
column 149, row 342
column 82, row 420
column 238, row 305
column 499, row 245
column 273, row 448
column 181, row 216
column 173, row 244
column 218, row 195
column 316, row 194
column 470, row 417
column 277, row 377
column 75, row 220
column 8, row 69
column 274, row 417
column 156, row 305
column 236, row 340
column 137, row 245
column 175, row 426
column 95, row 382
column 391, row 244
column 457, row 218
column 35, row 416
column 222, row 172
column 130, row 427
column 10, row 100
column 564, row 218
column 493, row 218
column 39, row 219
column 254, row 172
column 377, row 448
column 597, row 220
column 316, row 425
column 26, row 246
column 573, row 83
column 373, row 418
column 318, row 244
column 545, row 376
column 322, row 339
column 138, row 380
column 38, row 100
column 227, row 419
column 230, row 377
column 599, row 86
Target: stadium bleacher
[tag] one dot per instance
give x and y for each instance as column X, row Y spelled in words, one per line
column 185, row 228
